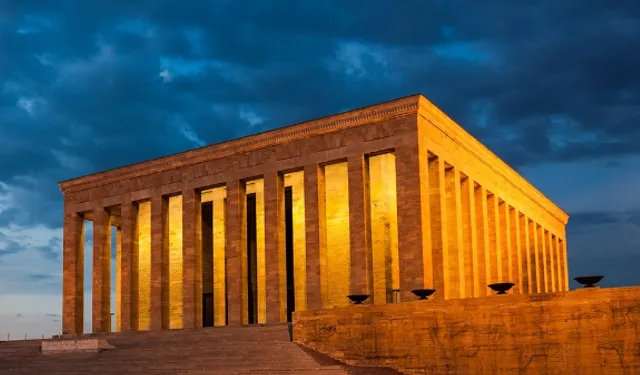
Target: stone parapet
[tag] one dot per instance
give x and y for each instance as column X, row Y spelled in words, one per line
column 588, row 332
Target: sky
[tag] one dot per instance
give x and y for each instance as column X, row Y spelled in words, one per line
column 552, row 87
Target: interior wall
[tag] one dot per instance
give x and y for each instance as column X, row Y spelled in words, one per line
column 335, row 260
column 384, row 226
column 295, row 180
column 175, row 262
column 143, row 233
column 217, row 196
column 257, row 187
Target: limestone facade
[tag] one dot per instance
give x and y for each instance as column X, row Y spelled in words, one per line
column 392, row 196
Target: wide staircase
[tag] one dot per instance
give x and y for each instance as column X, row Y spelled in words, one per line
column 225, row 350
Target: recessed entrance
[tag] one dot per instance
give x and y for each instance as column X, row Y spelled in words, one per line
column 207, row 264
column 252, row 260
column 207, row 310
column 288, row 218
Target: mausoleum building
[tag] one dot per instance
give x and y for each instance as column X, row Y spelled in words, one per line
column 379, row 201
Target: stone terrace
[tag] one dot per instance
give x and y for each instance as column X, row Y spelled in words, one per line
column 227, row 350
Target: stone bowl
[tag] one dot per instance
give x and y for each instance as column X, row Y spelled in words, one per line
column 588, row 281
column 501, row 288
column 358, row 298
column 423, row 293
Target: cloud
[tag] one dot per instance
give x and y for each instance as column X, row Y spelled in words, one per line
column 595, row 218
column 590, row 219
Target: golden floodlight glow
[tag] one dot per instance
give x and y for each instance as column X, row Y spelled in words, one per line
column 257, row 187
column 175, row 261
column 144, row 265
column 295, row 180
column 336, row 265
column 384, row 226
column 218, row 197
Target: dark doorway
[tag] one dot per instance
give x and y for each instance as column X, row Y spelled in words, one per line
column 207, row 310
column 252, row 274
column 207, row 262
column 288, row 224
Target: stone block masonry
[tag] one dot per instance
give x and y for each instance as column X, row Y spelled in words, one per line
column 587, row 331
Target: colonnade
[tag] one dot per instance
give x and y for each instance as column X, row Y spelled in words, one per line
column 481, row 238
column 253, row 250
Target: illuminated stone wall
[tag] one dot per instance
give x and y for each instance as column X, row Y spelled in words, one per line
column 384, row 226
column 144, row 265
column 175, row 261
column 335, row 260
column 218, row 196
column 579, row 332
column 296, row 181
column 257, row 187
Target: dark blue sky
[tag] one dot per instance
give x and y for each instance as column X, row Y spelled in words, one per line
column 553, row 87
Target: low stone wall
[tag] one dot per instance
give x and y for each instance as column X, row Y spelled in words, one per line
column 594, row 331
column 73, row 346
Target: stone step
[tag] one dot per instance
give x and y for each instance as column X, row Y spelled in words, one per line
column 244, row 350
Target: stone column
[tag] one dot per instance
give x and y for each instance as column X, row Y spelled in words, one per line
column 414, row 221
column 470, row 254
column 481, row 225
column 533, row 256
column 101, row 317
column 564, row 264
column 453, row 217
column 516, row 244
column 525, row 243
column 191, row 252
column 128, row 278
column 314, row 206
column 493, row 273
column 159, row 263
column 438, row 211
column 361, row 271
column 274, row 242
column 550, row 262
column 505, row 246
column 556, row 260
column 73, row 273
column 236, row 244
column 542, row 257
column 537, row 263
